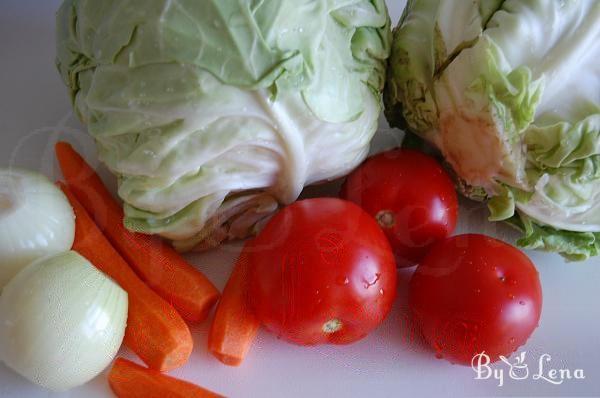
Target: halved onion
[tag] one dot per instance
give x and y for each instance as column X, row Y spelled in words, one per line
column 62, row 321
column 36, row 220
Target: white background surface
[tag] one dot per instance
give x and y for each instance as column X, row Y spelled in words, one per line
column 35, row 112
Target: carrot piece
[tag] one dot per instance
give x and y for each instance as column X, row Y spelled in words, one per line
column 235, row 326
column 155, row 331
column 157, row 263
column 129, row 380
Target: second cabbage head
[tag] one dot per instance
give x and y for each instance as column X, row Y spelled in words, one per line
column 509, row 91
column 212, row 113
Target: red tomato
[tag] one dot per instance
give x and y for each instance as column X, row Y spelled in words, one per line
column 472, row 293
column 322, row 272
column 410, row 195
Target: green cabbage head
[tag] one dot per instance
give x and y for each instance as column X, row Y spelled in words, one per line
column 509, row 91
column 212, row 113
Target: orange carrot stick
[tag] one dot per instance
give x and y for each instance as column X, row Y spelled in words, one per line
column 157, row 263
column 129, row 380
column 235, row 326
column 155, row 331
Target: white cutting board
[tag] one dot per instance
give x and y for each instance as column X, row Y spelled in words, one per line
column 35, row 112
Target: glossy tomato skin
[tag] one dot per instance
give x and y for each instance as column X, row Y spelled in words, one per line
column 322, row 272
column 473, row 293
column 410, row 195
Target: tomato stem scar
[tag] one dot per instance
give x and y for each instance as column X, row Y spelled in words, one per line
column 332, row 326
column 386, row 218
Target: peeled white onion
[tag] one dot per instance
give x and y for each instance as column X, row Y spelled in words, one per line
column 36, row 220
column 61, row 321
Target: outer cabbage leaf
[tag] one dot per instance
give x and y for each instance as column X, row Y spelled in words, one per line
column 574, row 246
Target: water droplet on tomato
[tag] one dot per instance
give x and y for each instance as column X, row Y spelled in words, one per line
column 381, row 291
column 511, row 296
column 511, row 340
column 342, row 280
